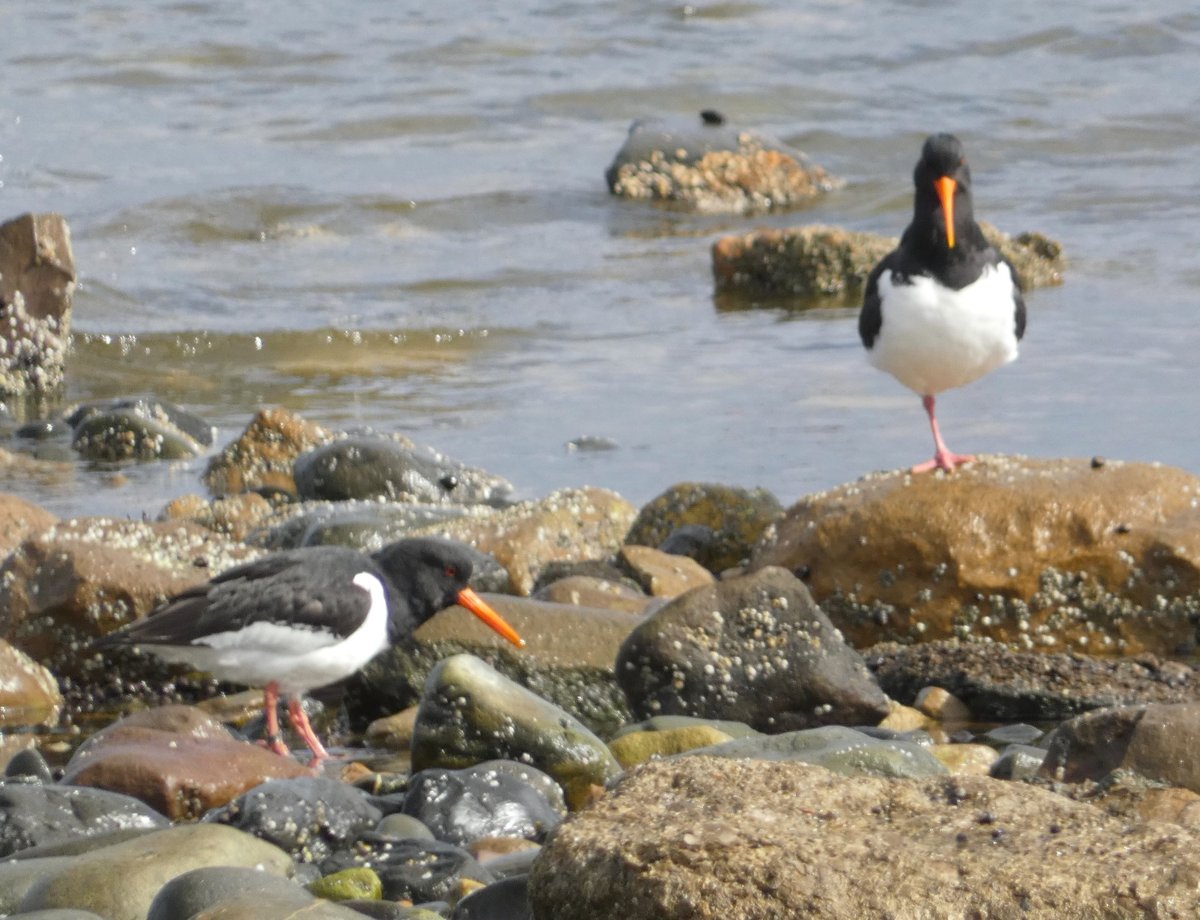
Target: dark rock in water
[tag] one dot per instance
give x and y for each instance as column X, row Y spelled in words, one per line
column 37, row 279
column 486, row 800
column 377, row 467
column 416, row 870
column 754, row 649
column 712, row 167
column 735, row 518
column 507, row 899
column 308, row 817
column 138, row 429
column 32, row 814
column 29, row 764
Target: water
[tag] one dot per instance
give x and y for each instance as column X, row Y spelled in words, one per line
column 396, row 218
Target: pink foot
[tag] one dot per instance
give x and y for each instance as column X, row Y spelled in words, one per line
column 944, row 460
column 271, row 713
column 301, row 724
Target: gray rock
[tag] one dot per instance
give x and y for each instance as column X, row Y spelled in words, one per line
column 378, row 467
column 403, row 826
column 486, row 800
column 470, row 713
column 414, row 870
column 753, row 649
column 367, row 524
column 33, row 814
column 1019, row 762
column 507, row 899
column 138, row 428
column 309, row 817
column 56, row 914
column 836, row 748
column 202, row 890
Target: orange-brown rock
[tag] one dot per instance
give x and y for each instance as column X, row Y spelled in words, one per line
column 235, row 515
column 177, row 760
column 18, row 517
column 29, row 693
column 264, row 454
column 662, row 574
column 1043, row 554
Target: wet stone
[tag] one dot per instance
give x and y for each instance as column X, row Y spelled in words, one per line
column 507, row 899
column 1018, row 762
column 137, row 429
column 367, row 525
column 413, row 870
column 262, row 456
column 32, row 814
column 309, row 817
column 349, row 884
column 396, row 470
column 497, row 799
column 199, row 891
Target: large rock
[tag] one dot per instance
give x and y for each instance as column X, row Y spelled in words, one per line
column 37, row 279
column 697, row 837
column 263, row 455
column 754, row 649
column 1042, row 554
column 20, row 517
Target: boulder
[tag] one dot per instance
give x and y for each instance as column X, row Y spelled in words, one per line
column 1055, row 555
column 29, row 694
column 263, row 455
column 20, row 517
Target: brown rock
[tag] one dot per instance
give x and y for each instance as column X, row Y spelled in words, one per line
column 591, row 591
column 1179, row 806
column 394, row 732
column 566, row 526
column 82, row 578
column 263, row 456
column 966, row 759
column 662, row 574
column 1040, row 554
column 29, row 693
column 942, row 706
column 1157, row 741
column 177, row 760
column 634, row 748
column 18, row 518
column 758, row 840
column 37, row 279
column 235, row 516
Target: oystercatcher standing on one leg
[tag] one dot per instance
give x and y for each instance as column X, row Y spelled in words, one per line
column 304, row 618
column 944, row 308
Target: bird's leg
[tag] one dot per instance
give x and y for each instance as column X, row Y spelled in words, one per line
column 305, row 730
column 271, row 713
column 943, row 457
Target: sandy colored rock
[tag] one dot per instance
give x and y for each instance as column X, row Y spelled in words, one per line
column 942, row 706
column 637, row 747
column 18, row 518
column 966, row 759
column 590, row 591
column 1040, row 554
column 662, row 574
column 263, row 455
column 701, row 838
column 29, row 693
column 235, row 515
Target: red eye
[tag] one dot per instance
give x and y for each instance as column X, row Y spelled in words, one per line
column 451, row 572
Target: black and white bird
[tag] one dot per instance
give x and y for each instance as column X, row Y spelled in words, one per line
column 304, row 618
column 944, row 308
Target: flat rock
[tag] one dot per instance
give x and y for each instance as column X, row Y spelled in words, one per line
column 1053, row 555
column 698, row 837
column 37, row 281
column 754, row 649
column 176, row 759
column 663, row 574
column 262, row 456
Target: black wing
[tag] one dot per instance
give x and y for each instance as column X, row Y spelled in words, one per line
column 1018, row 299
column 870, row 318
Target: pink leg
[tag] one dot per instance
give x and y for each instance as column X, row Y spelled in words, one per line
column 271, row 713
column 943, row 457
column 300, row 723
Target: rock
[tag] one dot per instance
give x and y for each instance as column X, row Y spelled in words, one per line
column 82, row 578
column 507, row 899
column 713, row 168
column 567, row 525
column 121, row 881
column 1002, row 685
column 1156, row 741
column 239, row 894
column 233, row 516
column 175, row 759
column 367, row 525
column 310, row 817
column 1019, row 762
column 495, row 799
column 29, row 693
column 834, row 747
column 662, row 574
column 941, row 706
column 138, row 429
column 393, row 732
column 736, row 517
column 699, row 837
column 29, row 764
column 590, row 591
column 1055, row 555
column 414, row 870
column 568, row 659
column 821, row 261
column 37, row 280
column 32, row 814
column 19, row 518
column 470, row 714
column 349, row 884
column 753, row 649
column 393, row 469
column 634, row 748
column 263, row 455
column 967, row 759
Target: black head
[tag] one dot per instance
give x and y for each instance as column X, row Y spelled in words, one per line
column 427, row 575
column 943, row 215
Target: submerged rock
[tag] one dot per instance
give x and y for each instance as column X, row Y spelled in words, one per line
column 755, row 649
column 37, row 280
column 713, row 168
column 412, row 870
column 1054, row 555
column 138, row 429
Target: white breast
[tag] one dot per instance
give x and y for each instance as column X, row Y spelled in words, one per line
column 934, row 339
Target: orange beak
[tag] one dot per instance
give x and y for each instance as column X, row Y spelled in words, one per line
column 945, row 190
column 478, row 606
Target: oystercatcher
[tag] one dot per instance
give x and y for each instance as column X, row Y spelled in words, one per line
column 944, row 308
column 304, row 618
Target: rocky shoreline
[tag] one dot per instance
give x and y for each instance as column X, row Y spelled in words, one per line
column 933, row 696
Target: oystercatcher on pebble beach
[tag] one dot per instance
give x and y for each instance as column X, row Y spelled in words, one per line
column 944, row 308
column 300, row 619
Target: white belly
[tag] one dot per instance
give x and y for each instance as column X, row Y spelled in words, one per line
column 932, row 339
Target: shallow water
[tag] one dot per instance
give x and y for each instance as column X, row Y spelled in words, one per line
column 397, row 219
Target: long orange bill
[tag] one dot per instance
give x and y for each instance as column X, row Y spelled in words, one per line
column 945, row 188
column 478, row 606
